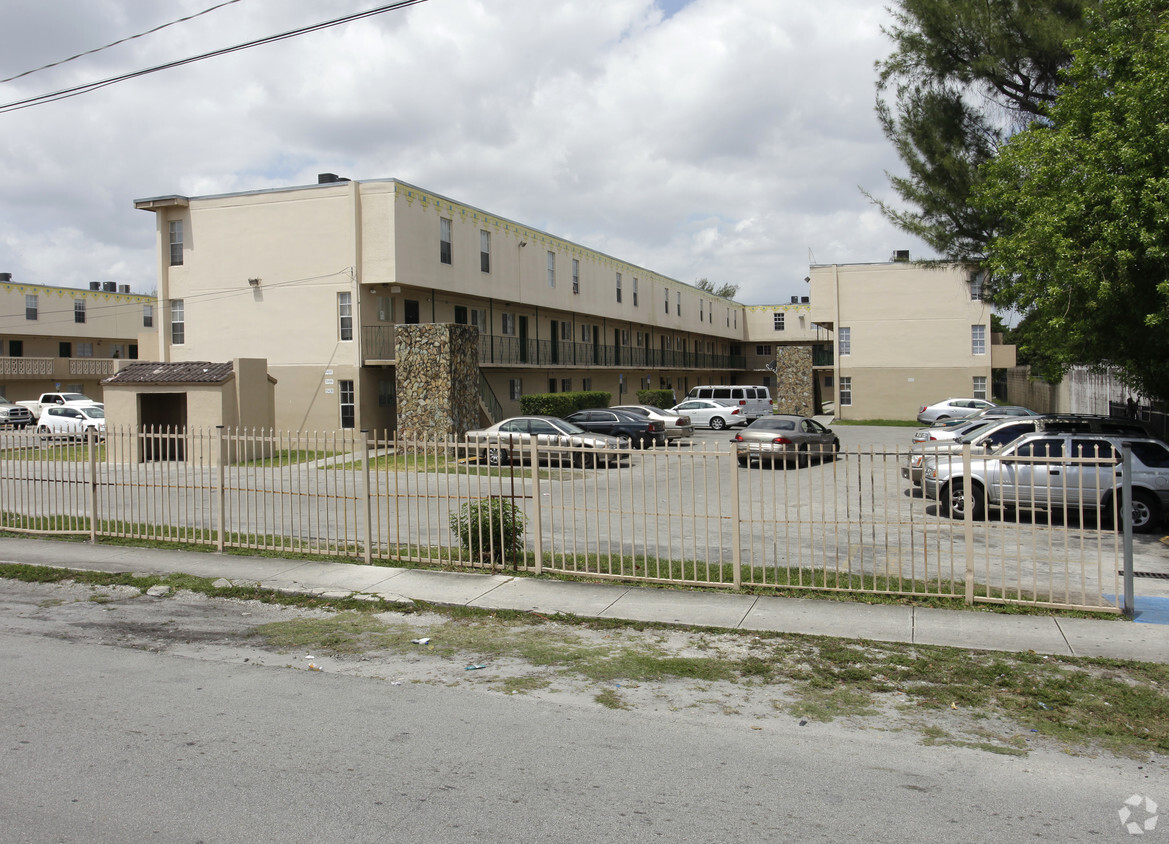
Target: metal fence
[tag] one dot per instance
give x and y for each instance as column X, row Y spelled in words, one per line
column 687, row 515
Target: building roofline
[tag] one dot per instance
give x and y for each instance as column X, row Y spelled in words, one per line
column 29, row 286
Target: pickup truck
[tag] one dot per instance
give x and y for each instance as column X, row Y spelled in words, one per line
column 13, row 415
column 56, row 400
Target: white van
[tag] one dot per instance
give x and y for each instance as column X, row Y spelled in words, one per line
column 754, row 401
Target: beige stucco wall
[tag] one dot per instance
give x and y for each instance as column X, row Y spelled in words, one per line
column 910, row 329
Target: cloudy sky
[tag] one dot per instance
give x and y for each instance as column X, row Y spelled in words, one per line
column 725, row 139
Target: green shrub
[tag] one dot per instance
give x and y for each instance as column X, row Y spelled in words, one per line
column 562, row 404
column 490, row 527
column 657, row 398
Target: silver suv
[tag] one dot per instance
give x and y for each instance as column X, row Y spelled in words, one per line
column 1067, row 472
column 994, row 434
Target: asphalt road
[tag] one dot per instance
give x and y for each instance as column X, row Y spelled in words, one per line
column 107, row 741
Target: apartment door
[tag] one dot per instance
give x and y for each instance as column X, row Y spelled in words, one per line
column 523, row 332
column 410, row 312
column 554, row 349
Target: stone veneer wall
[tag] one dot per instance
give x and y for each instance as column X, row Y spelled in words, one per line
column 437, row 379
column 795, row 390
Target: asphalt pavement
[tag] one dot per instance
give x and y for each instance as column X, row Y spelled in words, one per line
column 1050, row 634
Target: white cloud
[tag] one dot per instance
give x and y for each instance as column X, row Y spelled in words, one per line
column 716, row 138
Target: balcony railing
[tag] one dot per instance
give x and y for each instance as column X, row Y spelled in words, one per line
column 822, row 356
column 33, row 368
column 378, row 344
column 26, row 367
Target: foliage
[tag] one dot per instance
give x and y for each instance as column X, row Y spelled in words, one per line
column 562, row 404
column 491, row 527
column 964, row 74
column 1083, row 199
column 656, row 398
column 723, row 291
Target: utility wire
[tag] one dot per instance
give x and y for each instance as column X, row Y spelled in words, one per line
column 66, row 93
column 116, row 43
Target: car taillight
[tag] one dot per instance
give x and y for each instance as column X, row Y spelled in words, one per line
column 923, row 407
column 734, row 411
column 933, row 438
column 782, row 441
column 742, row 402
column 738, row 438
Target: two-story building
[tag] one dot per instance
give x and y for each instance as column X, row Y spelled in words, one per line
column 317, row 280
column 904, row 335
column 67, row 339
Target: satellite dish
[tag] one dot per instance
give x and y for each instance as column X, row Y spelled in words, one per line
column 772, row 366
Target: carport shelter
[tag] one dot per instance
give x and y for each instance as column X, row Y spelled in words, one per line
column 171, row 400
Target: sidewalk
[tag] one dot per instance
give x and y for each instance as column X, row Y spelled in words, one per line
column 1120, row 639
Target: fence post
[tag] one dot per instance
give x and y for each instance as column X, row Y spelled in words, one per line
column 221, row 492
column 534, row 457
column 736, row 525
column 91, row 443
column 367, row 557
column 1126, row 506
column 968, row 521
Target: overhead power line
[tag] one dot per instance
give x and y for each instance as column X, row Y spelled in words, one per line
column 116, row 43
column 93, row 86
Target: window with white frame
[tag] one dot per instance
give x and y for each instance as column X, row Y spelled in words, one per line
column 79, row 310
column 978, row 339
column 507, row 324
column 176, row 243
column 348, row 405
column 566, row 385
column 845, row 390
column 551, row 269
column 345, row 315
column 565, row 330
column 575, row 275
column 484, row 251
column 635, row 291
column 148, row 316
column 515, row 388
column 385, row 309
column 618, row 287
column 777, row 320
column 30, row 306
column 117, row 350
column 977, row 279
column 979, row 387
column 624, row 336
column 445, row 247
column 178, row 323
column 844, row 341
column 83, row 350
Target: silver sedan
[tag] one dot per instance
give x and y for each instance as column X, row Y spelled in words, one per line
column 556, row 441
column 784, row 439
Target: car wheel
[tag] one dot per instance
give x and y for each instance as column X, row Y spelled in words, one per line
column 43, row 430
column 496, row 457
column 955, row 501
column 587, row 460
column 1145, row 512
column 743, row 461
column 802, row 457
column 717, row 423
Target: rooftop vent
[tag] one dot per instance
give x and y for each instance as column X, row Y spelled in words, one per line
column 328, row 178
column 795, row 300
column 5, row 276
column 123, row 288
column 901, row 256
column 95, row 285
column 109, row 286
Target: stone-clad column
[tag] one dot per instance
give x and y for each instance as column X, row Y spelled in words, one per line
column 794, row 380
column 437, row 380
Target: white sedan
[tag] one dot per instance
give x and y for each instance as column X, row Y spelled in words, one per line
column 677, row 426
column 68, row 421
column 711, row 413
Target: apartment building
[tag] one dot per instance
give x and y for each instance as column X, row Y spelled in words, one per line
column 318, row 280
column 66, row 339
column 903, row 335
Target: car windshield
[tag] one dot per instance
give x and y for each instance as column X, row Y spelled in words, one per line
column 774, row 424
column 974, row 431
column 567, row 427
column 74, row 397
column 94, row 412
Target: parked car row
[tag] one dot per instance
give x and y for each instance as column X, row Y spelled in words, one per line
column 1020, row 460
